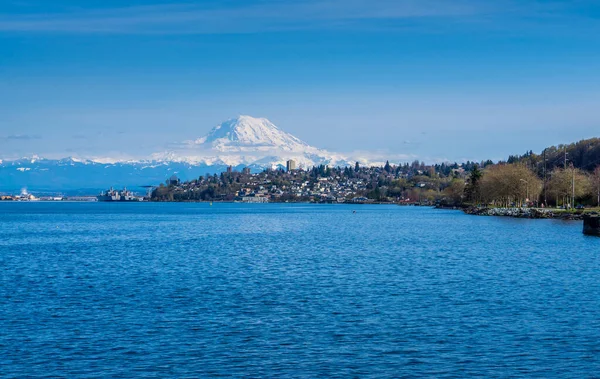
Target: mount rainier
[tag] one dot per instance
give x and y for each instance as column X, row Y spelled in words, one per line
column 240, row 142
column 249, row 141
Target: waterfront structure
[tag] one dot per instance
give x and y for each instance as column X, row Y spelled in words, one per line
column 255, row 199
column 81, row 198
column 26, row 197
column 51, row 198
column 591, row 225
column 114, row 195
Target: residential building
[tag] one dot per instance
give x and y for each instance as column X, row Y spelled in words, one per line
column 291, row 165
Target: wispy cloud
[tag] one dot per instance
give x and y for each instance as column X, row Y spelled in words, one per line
column 381, row 156
column 22, row 137
column 263, row 16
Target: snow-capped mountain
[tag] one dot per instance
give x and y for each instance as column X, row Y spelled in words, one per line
column 240, row 142
column 246, row 133
column 247, row 140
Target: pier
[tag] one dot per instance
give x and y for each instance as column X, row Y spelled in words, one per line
column 591, row 225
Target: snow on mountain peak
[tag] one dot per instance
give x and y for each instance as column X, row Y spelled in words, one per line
column 246, row 132
column 247, row 140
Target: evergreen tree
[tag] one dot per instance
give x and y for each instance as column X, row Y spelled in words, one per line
column 472, row 187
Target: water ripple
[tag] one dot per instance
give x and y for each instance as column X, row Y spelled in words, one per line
column 189, row 290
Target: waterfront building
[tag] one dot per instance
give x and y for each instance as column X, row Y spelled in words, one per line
column 255, row 199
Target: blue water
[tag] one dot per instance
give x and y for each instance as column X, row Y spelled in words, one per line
column 190, row 290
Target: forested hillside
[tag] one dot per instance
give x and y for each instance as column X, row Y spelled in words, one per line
column 584, row 155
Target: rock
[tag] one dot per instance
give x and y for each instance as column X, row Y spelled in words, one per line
column 510, row 212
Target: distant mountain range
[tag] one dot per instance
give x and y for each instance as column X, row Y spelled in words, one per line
column 240, row 142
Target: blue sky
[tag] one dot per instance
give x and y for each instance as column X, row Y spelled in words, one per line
column 436, row 79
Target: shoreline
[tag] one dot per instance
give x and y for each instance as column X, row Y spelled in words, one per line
column 529, row 213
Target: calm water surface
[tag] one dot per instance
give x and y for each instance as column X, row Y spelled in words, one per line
column 190, row 290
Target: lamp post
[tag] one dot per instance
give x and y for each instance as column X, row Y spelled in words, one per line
column 526, row 189
column 545, row 198
column 573, row 185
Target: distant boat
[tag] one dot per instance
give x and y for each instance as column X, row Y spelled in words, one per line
column 114, row 195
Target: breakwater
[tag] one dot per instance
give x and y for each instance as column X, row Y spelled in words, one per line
column 591, row 225
column 535, row 213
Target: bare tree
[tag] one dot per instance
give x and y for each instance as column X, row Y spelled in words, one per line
column 509, row 184
column 455, row 191
column 566, row 182
column 595, row 181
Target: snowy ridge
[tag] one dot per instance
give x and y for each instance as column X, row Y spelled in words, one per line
column 249, row 133
column 246, row 140
column 240, row 142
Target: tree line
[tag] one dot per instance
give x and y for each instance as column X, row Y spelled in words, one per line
column 564, row 175
column 517, row 185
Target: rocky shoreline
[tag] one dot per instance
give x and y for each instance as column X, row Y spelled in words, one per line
column 532, row 213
